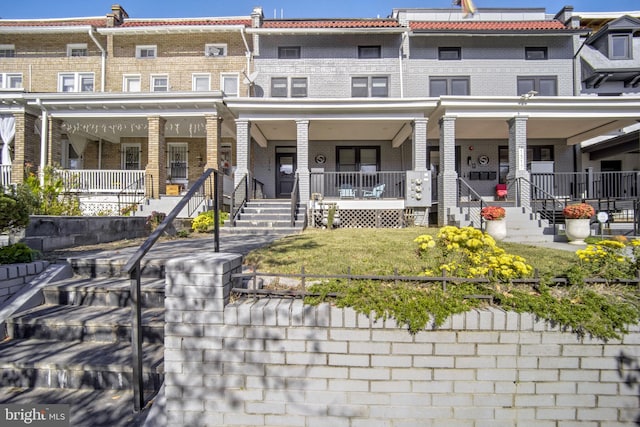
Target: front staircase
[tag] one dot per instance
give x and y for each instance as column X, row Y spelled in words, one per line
column 523, row 225
column 75, row 347
column 267, row 216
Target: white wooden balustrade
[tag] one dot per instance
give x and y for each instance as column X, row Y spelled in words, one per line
column 103, row 181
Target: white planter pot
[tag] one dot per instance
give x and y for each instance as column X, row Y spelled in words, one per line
column 496, row 228
column 577, row 230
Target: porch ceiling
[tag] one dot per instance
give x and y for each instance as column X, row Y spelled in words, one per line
column 332, row 130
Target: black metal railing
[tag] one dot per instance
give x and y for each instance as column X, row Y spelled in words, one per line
column 589, row 185
column 239, row 199
column 203, row 196
column 133, row 270
column 257, row 189
column 358, row 184
column 546, row 205
column 470, row 202
column 131, row 197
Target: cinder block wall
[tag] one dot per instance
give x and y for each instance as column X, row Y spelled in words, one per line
column 277, row 362
column 14, row 276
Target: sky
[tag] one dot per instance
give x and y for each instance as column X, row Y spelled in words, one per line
column 19, row 9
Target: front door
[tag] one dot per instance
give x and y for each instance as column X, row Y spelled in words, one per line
column 285, row 173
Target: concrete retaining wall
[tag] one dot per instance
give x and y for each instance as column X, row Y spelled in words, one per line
column 14, row 276
column 46, row 233
column 277, row 362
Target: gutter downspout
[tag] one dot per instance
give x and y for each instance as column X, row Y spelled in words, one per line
column 103, row 65
column 44, row 131
column 248, row 55
column 404, row 37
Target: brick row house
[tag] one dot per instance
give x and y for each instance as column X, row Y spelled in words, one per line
column 419, row 112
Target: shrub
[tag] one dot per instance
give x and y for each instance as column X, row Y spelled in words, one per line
column 204, row 222
column 578, row 211
column 14, row 213
column 468, row 252
column 51, row 198
column 17, row 253
column 155, row 219
column 491, row 213
column 609, row 259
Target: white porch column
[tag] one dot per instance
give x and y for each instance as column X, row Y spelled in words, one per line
column 419, row 140
column 448, row 177
column 302, row 153
column 243, row 145
column 518, row 158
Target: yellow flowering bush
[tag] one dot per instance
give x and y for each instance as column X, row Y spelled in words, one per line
column 610, row 259
column 468, row 252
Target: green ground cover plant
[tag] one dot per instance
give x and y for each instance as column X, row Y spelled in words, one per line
column 602, row 309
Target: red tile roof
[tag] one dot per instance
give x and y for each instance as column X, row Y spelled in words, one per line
column 97, row 22
column 131, row 23
column 332, row 23
column 488, row 26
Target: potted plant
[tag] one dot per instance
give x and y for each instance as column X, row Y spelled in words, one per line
column 495, row 223
column 577, row 222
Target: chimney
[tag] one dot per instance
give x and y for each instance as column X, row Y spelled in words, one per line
column 257, row 17
column 117, row 16
column 566, row 17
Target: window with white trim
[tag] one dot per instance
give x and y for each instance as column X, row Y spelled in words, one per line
column 229, row 83
column 370, row 86
column 159, row 83
column 77, row 49
column 201, row 82
column 75, row 82
column 146, row 52
column 214, row 50
column 7, row 51
column 131, row 83
column 10, row 81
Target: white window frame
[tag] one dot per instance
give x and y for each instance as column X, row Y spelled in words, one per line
column 142, row 51
column 7, row 78
column 78, row 79
column 152, row 82
column 4, row 48
column 123, row 161
column 215, row 50
column 197, row 76
column 78, row 48
column 224, row 77
column 129, row 78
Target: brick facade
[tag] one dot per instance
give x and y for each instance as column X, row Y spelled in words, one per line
column 269, row 362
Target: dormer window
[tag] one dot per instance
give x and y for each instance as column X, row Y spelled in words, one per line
column 146, row 52
column 77, row 49
column 619, row 46
column 7, row 51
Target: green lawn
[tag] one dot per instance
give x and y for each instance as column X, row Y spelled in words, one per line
column 375, row 252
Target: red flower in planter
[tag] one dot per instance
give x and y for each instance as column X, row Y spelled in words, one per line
column 490, row 213
column 578, row 211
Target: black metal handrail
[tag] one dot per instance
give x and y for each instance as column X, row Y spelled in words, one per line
column 128, row 198
column 544, row 204
column 295, row 197
column 474, row 202
column 257, row 189
column 239, row 199
column 202, row 195
column 132, row 268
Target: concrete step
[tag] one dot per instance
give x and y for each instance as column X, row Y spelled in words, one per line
column 85, row 323
column 266, row 223
column 77, row 365
column 260, row 231
column 104, row 291
column 265, row 216
column 112, row 267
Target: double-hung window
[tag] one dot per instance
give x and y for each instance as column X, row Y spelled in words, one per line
column 295, row 87
column 7, row 51
column 201, row 82
column 131, row 83
column 10, row 80
column 75, row 82
column 279, row 87
column 230, row 84
column 159, row 83
column 370, row 86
